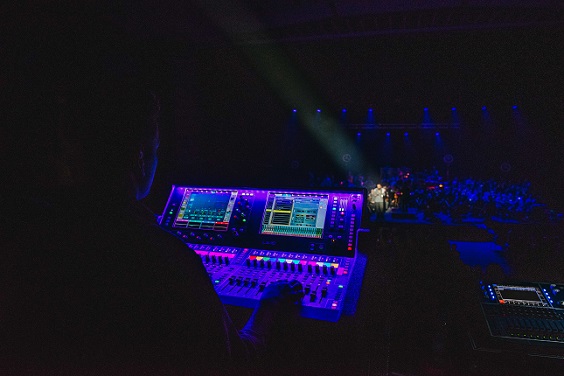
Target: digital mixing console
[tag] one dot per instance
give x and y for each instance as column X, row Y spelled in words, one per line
column 525, row 311
column 248, row 238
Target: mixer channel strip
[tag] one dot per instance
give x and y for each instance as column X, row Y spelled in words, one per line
column 240, row 275
column 525, row 322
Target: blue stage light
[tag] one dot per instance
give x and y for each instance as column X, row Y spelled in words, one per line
column 436, row 134
column 318, row 110
column 406, row 134
column 369, row 110
column 294, row 110
column 387, row 134
column 344, row 110
column 425, row 109
column 484, row 108
column 358, row 134
column 514, row 107
column 454, row 108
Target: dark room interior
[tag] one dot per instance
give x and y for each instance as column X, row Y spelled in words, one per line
column 444, row 103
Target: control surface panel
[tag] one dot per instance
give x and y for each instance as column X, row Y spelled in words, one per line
column 248, row 238
column 525, row 311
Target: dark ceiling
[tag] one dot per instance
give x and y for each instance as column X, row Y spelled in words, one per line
column 264, row 21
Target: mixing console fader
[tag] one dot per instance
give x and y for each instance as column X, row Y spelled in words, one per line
column 248, row 238
column 525, row 311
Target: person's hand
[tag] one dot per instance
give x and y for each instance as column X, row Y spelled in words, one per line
column 282, row 293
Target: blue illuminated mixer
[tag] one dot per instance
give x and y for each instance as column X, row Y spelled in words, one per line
column 248, row 238
column 525, row 311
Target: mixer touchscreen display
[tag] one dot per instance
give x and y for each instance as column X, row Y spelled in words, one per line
column 518, row 294
column 290, row 214
column 205, row 210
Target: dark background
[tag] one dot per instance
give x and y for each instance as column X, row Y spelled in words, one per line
column 228, row 86
column 231, row 120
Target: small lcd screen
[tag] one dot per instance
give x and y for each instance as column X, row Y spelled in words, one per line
column 294, row 214
column 527, row 294
column 205, row 210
